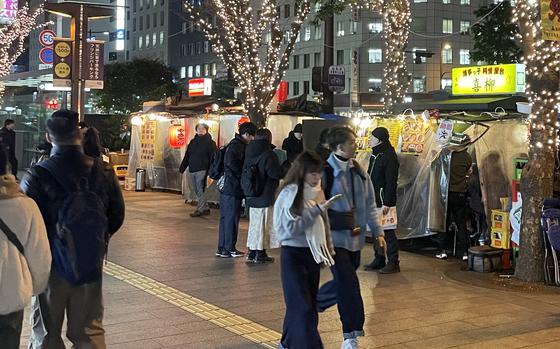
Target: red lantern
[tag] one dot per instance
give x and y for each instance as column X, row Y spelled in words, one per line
column 243, row 120
column 177, row 136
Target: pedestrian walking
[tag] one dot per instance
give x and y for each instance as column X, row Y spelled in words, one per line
column 457, row 201
column 231, row 192
column 260, row 179
column 322, row 147
column 302, row 225
column 384, row 172
column 197, row 160
column 293, row 144
column 8, row 143
column 25, row 261
column 349, row 219
column 82, row 205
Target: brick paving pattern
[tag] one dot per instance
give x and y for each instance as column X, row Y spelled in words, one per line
column 418, row 308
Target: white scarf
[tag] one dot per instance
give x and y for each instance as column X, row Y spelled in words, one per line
column 316, row 235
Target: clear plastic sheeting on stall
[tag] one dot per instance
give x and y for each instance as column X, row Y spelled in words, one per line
column 424, row 177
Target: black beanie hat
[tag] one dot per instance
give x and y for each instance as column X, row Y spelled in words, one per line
column 298, row 129
column 381, row 133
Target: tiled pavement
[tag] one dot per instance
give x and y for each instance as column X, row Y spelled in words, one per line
column 418, row 308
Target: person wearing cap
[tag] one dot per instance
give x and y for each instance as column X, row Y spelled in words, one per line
column 293, row 145
column 384, row 172
column 460, row 169
column 48, row 183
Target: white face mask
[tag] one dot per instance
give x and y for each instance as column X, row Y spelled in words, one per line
column 298, row 135
column 374, row 141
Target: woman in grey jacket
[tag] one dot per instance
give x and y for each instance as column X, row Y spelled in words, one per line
column 302, row 226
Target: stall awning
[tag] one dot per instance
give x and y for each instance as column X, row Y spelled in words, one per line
column 466, row 103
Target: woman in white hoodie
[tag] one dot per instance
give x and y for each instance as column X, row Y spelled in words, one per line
column 25, row 256
column 301, row 223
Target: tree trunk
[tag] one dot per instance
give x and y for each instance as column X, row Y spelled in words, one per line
column 328, row 60
column 536, row 185
column 257, row 117
column 537, row 178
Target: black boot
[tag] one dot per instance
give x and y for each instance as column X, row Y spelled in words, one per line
column 378, row 263
column 390, row 268
column 262, row 257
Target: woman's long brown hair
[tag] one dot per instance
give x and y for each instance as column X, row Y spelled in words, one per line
column 306, row 162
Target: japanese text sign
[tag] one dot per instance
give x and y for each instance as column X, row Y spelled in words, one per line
column 488, row 79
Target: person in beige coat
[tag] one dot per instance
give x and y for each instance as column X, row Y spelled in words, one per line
column 25, row 256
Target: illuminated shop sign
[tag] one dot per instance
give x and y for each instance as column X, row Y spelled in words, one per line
column 488, row 79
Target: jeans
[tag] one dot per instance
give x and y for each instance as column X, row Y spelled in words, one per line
column 83, row 306
column 198, row 183
column 300, row 282
column 344, row 290
column 456, row 212
column 230, row 213
column 10, row 329
column 392, row 248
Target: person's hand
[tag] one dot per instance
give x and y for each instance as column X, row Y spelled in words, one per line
column 385, row 209
column 382, row 244
column 327, row 204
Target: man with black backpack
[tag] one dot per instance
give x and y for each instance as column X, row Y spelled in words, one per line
column 259, row 181
column 231, row 192
column 82, row 206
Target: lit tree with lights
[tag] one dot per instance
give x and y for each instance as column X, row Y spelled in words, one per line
column 237, row 38
column 542, row 68
column 12, row 38
column 396, row 26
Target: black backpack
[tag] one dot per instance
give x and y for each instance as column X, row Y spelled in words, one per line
column 216, row 170
column 251, row 182
column 81, row 229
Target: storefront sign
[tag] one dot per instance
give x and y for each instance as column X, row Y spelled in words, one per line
column 177, row 136
column 413, row 136
column 488, row 79
column 200, row 87
column 62, row 62
column 550, row 18
column 8, row 10
column 337, row 78
column 148, row 133
column 444, row 132
column 93, row 67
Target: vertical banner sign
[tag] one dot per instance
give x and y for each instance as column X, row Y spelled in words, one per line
column 93, row 65
column 8, row 11
column 355, row 75
column 62, row 62
column 550, row 19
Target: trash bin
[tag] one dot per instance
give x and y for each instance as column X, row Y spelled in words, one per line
column 140, row 179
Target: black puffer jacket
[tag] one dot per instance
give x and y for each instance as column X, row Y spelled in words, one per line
column 199, row 154
column 270, row 171
column 233, row 167
column 292, row 146
column 384, row 172
column 40, row 185
column 8, row 141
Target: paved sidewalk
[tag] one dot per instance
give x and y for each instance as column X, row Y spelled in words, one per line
column 170, row 291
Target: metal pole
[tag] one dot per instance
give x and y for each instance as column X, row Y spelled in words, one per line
column 75, row 75
column 328, row 96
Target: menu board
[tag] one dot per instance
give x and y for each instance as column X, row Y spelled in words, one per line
column 394, row 127
column 413, row 136
column 148, row 140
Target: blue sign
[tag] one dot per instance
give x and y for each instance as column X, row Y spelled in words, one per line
column 46, row 55
column 120, row 34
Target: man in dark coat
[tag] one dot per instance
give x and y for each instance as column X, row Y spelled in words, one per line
column 293, row 145
column 8, row 143
column 198, row 157
column 384, row 172
column 259, row 153
column 322, row 147
column 82, row 304
column 232, row 194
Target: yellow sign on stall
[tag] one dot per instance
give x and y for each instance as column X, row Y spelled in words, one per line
column 488, row 79
column 550, row 20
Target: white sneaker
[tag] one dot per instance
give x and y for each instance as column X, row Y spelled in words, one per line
column 350, row 343
column 465, row 257
column 441, row 255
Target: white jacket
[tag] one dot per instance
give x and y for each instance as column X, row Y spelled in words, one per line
column 21, row 277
